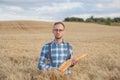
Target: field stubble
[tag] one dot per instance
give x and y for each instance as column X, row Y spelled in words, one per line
column 21, row 43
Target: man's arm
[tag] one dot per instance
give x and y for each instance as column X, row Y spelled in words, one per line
column 42, row 61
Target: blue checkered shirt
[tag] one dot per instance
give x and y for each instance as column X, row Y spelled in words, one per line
column 59, row 54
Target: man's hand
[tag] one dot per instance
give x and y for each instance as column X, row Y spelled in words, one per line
column 74, row 61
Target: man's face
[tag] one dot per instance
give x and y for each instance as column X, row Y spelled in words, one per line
column 58, row 31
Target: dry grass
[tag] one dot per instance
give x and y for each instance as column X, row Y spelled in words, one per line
column 21, row 43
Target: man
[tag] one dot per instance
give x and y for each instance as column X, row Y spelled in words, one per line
column 53, row 54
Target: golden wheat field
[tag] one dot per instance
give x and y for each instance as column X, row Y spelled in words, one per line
column 21, row 43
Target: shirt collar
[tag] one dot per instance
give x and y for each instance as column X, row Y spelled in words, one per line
column 63, row 41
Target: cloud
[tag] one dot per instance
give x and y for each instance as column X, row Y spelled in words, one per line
column 0, row 9
column 21, row 17
column 85, row 16
column 100, row 6
column 22, row 0
column 14, row 8
column 116, row 3
column 111, row 15
column 56, row 8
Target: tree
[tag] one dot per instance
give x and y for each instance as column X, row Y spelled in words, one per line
column 91, row 19
column 108, row 21
column 117, row 19
column 74, row 19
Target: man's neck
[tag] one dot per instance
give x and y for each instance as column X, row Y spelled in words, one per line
column 58, row 41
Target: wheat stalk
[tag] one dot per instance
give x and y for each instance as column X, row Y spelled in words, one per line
column 68, row 63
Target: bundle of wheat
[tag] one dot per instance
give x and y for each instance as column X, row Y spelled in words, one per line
column 67, row 63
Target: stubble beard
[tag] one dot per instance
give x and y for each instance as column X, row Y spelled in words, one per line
column 57, row 38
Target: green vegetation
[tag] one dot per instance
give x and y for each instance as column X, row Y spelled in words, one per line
column 107, row 21
column 74, row 19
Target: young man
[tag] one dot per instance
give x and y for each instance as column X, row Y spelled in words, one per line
column 53, row 54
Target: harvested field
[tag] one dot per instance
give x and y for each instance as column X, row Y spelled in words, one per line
column 21, row 43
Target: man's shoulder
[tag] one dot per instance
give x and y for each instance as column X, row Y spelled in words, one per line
column 47, row 44
column 65, row 42
column 68, row 43
column 52, row 42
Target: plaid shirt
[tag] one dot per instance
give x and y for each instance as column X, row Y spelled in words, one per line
column 59, row 54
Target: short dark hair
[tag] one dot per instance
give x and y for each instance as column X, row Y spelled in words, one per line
column 60, row 23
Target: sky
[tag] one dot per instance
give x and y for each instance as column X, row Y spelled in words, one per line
column 57, row 10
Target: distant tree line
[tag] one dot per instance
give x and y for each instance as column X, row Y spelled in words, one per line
column 101, row 20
